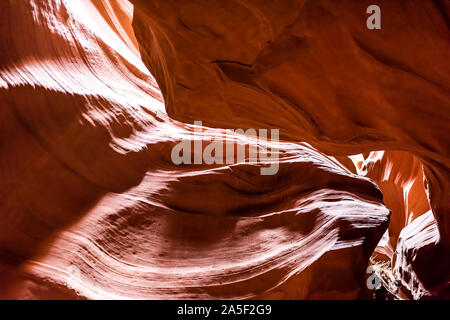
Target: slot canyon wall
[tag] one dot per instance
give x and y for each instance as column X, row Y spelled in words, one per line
column 94, row 95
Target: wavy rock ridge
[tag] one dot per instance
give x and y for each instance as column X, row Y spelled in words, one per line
column 328, row 79
column 93, row 207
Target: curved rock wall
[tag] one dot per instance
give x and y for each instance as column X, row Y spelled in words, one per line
column 94, row 207
column 314, row 70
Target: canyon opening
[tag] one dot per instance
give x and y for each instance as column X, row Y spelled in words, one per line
column 123, row 176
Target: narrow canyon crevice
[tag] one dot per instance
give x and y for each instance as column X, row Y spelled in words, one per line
column 96, row 94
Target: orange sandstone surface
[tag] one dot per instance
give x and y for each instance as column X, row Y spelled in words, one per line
column 95, row 94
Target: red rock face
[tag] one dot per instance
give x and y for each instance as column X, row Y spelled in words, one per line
column 400, row 177
column 412, row 236
column 95, row 207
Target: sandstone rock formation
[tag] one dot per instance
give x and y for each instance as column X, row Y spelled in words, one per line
column 328, row 79
column 400, row 177
column 409, row 240
column 94, row 207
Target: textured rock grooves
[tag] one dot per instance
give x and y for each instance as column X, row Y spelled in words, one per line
column 93, row 207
